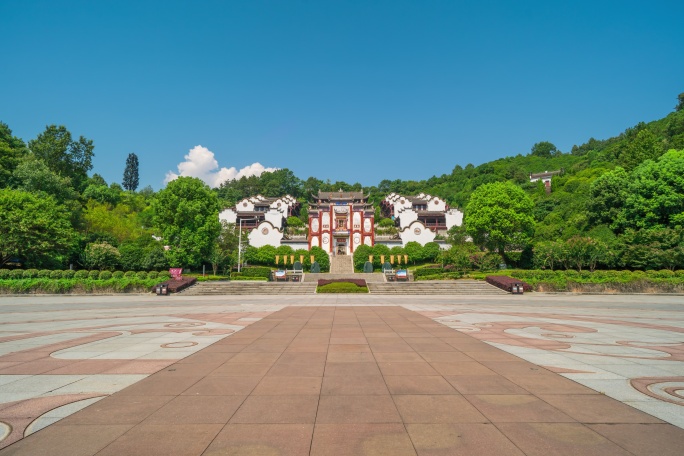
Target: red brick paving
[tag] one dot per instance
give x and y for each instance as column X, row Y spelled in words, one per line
column 354, row 381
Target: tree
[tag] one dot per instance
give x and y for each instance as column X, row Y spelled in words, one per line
column 680, row 104
column 12, row 149
column 655, row 197
column 608, row 195
column 544, row 149
column 61, row 154
column 130, row 176
column 579, row 252
column 186, row 213
column 34, row 176
column 102, row 256
column 32, row 228
column 645, row 146
column 499, row 217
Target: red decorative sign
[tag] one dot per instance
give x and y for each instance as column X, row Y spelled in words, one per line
column 176, row 273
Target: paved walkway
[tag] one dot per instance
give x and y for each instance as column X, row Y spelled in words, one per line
column 347, row 380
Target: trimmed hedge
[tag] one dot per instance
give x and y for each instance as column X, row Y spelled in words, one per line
column 105, row 275
column 65, row 286
column 255, row 271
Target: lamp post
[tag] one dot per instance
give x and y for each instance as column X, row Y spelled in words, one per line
column 240, row 242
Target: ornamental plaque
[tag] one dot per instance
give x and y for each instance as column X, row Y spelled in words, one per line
column 264, row 231
column 417, row 231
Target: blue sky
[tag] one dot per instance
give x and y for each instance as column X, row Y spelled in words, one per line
column 358, row 91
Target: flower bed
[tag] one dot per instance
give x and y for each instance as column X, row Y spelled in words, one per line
column 175, row 285
column 506, row 283
column 342, row 286
column 357, row 282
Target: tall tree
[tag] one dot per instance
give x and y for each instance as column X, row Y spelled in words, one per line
column 186, row 212
column 544, row 149
column 645, row 146
column 499, row 217
column 680, row 104
column 130, row 177
column 63, row 155
column 12, row 149
column 33, row 228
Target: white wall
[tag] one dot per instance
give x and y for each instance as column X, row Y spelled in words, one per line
column 410, row 234
column 275, row 217
column 265, row 234
column 228, row 215
column 453, row 217
column 407, row 217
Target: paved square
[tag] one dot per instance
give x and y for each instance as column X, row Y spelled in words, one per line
column 341, row 375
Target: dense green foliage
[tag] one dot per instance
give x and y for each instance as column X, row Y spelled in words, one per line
column 616, row 203
column 187, row 213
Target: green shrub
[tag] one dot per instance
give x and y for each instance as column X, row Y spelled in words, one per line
column 16, row 274
column 4, row 274
column 164, row 275
column 105, row 275
column 94, row 274
column 239, row 277
column 68, row 273
column 56, row 274
column 152, row 275
column 677, row 273
column 117, row 275
column 142, row 275
column 256, row 272
column 662, row 274
column 44, row 274
column 129, row 274
column 30, row 274
column 81, row 274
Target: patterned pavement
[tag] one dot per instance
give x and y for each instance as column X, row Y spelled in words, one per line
column 59, row 355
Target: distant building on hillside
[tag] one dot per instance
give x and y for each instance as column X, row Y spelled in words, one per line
column 340, row 221
column 545, row 177
column 420, row 218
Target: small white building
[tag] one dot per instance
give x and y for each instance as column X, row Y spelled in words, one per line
column 420, row 218
column 265, row 217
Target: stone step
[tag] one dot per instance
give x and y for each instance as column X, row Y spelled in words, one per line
column 342, row 264
column 461, row 287
column 249, row 288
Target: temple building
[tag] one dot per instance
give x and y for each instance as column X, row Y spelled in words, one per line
column 420, row 218
column 341, row 221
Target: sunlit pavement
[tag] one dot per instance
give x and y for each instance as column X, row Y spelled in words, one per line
column 61, row 354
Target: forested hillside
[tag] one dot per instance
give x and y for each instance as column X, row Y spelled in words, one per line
column 621, row 199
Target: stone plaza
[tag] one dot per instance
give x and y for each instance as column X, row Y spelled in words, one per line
column 342, row 375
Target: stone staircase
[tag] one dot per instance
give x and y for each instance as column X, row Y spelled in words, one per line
column 246, row 287
column 435, row 287
column 342, row 264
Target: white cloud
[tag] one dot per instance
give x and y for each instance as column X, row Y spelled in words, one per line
column 200, row 162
